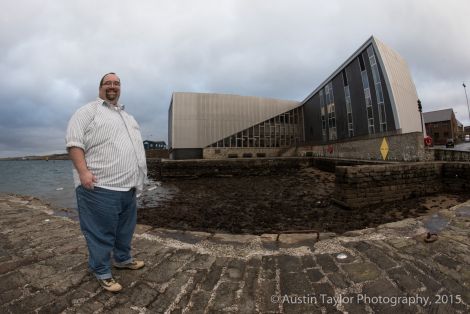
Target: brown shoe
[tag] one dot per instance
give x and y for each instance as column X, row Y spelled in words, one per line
column 110, row 284
column 134, row 265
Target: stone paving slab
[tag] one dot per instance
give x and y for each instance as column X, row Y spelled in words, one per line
column 43, row 268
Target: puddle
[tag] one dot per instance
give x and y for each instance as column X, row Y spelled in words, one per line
column 435, row 223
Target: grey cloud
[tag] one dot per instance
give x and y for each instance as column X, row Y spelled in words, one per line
column 54, row 53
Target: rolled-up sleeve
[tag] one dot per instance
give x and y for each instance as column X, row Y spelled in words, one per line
column 75, row 136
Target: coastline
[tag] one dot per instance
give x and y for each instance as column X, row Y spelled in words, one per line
column 64, row 156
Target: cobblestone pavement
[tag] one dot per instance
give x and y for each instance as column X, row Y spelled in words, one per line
column 389, row 269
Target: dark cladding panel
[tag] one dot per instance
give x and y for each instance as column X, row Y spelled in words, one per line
column 372, row 91
column 340, row 107
column 186, row 153
column 170, row 124
column 312, row 118
column 357, row 98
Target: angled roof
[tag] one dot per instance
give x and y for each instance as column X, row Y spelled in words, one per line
column 397, row 80
column 340, row 68
column 438, row 115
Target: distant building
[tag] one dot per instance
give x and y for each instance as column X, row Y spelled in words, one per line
column 441, row 125
column 154, row 145
column 460, row 131
column 466, row 130
column 369, row 96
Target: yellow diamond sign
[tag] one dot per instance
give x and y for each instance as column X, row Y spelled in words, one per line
column 384, row 149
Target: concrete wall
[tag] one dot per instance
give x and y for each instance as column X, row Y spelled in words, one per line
column 359, row 186
column 246, row 152
column 358, row 183
column 450, row 155
column 402, row 147
column 456, row 176
column 161, row 169
column 157, row 153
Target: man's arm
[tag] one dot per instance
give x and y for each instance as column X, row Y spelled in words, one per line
column 87, row 179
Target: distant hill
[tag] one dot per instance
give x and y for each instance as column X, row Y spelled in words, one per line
column 46, row 157
column 150, row 153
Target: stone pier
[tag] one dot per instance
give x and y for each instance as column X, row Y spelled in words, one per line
column 388, row 269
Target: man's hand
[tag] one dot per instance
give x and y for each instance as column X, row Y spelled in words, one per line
column 87, row 179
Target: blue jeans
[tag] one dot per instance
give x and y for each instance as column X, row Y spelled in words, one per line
column 107, row 220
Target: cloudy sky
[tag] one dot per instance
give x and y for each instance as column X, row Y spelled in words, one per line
column 53, row 53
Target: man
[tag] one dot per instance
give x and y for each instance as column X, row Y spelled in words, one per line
column 106, row 148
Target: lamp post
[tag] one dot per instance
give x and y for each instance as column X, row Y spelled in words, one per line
column 420, row 109
column 466, row 97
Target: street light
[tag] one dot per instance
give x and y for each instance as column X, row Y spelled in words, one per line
column 420, row 109
column 465, row 89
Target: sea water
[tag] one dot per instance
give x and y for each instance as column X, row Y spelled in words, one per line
column 51, row 181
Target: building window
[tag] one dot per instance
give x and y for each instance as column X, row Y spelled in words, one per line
column 331, row 122
column 323, row 119
column 369, row 109
column 329, row 93
column 361, row 63
column 345, row 78
column 323, row 124
column 283, row 130
column 378, row 89
column 347, row 96
column 330, row 105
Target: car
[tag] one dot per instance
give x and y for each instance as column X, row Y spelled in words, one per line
column 450, row 142
column 467, row 138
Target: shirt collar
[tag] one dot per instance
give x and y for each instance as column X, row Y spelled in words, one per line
column 118, row 107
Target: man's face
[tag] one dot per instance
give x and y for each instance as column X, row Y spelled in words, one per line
column 110, row 90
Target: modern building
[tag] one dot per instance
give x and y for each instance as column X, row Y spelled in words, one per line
column 442, row 125
column 197, row 121
column 371, row 95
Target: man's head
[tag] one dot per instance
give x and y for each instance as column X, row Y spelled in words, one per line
column 110, row 88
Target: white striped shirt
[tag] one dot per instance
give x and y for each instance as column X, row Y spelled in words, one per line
column 111, row 140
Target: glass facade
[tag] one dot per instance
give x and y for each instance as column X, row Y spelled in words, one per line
column 368, row 98
column 347, row 96
column 347, row 99
column 378, row 89
column 283, row 130
column 330, row 105
column 323, row 117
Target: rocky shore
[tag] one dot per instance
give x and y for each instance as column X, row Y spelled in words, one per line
column 262, row 204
